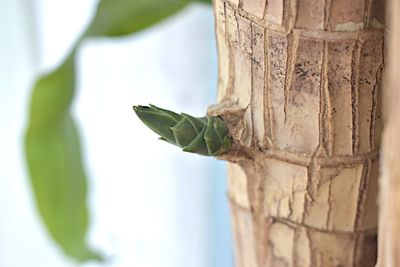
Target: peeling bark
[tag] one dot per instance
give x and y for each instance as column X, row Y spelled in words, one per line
column 299, row 84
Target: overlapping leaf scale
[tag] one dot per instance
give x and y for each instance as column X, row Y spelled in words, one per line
column 206, row 135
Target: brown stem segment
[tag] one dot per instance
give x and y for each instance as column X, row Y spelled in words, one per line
column 299, row 84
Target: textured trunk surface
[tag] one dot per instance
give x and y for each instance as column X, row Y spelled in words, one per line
column 389, row 200
column 299, row 82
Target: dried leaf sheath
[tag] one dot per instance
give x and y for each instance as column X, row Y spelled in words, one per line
column 207, row 135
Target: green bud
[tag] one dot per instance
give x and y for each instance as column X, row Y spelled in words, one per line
column 207, row 136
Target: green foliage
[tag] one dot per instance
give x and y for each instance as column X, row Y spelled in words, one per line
column 207, row 136
column 52, row 142
column 54, row 161
column 204, row 1
column 122, row 17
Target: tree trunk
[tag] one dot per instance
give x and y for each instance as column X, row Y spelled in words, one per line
column 299, row 84
column 389, row 200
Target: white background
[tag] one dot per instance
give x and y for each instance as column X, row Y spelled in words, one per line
column 151, row 205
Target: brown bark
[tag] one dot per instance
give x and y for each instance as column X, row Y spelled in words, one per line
column 389, row 197
column 299, row 84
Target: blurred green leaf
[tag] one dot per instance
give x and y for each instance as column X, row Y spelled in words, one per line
column 122, row 17
column 54, row 161
column 204, row 1
column 52, row 141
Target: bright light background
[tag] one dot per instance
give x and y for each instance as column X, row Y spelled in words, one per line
column 151, row 204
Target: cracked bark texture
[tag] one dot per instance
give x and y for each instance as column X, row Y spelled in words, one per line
column 299, row 84
column 389, row 198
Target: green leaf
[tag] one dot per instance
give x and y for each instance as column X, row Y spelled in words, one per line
column 203, row 1
column 55, row 164
column 52, row 142
column 122, row 17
